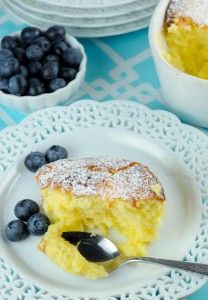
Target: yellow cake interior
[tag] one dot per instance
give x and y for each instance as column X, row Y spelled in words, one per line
column 187, row 47
column 132, row 225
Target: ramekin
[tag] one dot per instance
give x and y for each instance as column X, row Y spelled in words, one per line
column 185, row 95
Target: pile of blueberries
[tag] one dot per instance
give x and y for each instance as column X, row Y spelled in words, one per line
column 30, row 220
column 37, row 62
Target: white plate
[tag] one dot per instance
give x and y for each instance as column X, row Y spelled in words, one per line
column 83, row 22
column 150, row 138
column 182, row 205
column 92, row 13
column 18, row 14
column 91, row 4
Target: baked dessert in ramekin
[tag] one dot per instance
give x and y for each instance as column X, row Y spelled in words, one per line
column 186, row 34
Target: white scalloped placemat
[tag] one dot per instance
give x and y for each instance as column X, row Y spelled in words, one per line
column 190, row 144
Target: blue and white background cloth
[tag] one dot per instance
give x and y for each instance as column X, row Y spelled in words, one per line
column 119, row 67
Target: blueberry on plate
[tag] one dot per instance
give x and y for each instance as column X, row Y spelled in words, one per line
column 50, row 70
column 16, row 231
column 17, row 85
column 34, row 67
column 56, row 33
column 68, row 73
column 38, row 224
column 9, row 67
column 29, row 34
column 23, row 71
column 34, row 161
column 55, row 152
column 72, row 57
column 56, row 84
column 5, row 53
column 52, row 57
column 8, row 42
column 34, row 52
column 24, row 209
column 19, row 53
column 60, row 47
column 35, row 87
column 4, row 85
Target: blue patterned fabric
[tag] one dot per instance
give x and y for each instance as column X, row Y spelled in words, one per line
column 118, row 67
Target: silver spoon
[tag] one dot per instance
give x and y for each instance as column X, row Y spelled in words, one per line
column 98, row 249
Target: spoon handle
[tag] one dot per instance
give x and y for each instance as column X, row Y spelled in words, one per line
column 183, row 265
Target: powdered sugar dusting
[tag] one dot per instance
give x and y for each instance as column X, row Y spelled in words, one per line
column 195, row 9
column 105, row 177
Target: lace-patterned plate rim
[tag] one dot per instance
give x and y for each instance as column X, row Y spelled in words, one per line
column 87, row 113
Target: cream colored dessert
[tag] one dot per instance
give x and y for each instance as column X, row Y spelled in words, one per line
column 111, row 196
column 186, row 34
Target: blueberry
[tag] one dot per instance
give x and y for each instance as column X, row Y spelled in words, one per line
column 50, row 70
column 59, row 47
column 44, row 43
column 38, row 224
column 52, row 57
column 19, row 42
column 56, row 33
column 19, row 53
column 17, row 85
column 4, row 85
column 72, row 57
column 25, row 209
column 23, row 71
column 56, row 84
column 55, row 152
column 8, row 42
column 34, row 52
column 34, row 67
column 16, row 231
column 34, row 161
column 9, row 67
column 68, row 73
column 29, row 34
column 35, row 87
column 5, row 53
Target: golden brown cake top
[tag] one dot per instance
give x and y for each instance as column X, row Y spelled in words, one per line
column 101, row 176
column 197, row 10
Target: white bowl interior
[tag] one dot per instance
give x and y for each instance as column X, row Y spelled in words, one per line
column 181, row 220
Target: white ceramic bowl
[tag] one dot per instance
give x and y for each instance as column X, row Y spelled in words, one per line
column 27, row 104
column 186, row 95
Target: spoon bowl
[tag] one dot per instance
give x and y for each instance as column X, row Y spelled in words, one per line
column 94, row 247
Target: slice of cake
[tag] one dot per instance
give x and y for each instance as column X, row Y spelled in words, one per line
column 186, row 34
column 119, row 199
